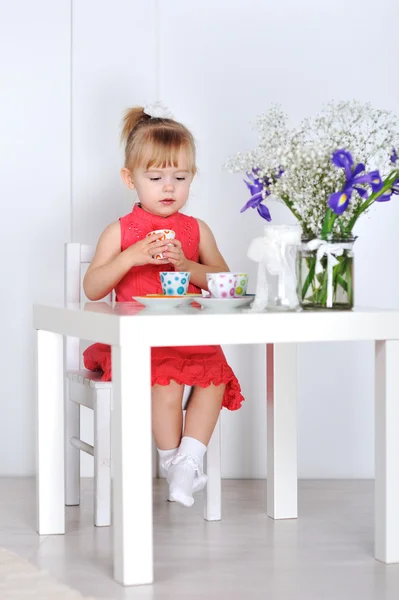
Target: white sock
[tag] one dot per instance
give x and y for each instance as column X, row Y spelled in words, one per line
column 165, row 454
column 165, row 457
column 194, row 448
column 185, row 469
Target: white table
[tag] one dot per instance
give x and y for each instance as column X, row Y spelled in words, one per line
column 131, row 334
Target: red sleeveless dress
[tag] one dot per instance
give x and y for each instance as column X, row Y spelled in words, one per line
column 194, row 365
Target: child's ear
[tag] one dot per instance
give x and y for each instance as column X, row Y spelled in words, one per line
column 127, row 178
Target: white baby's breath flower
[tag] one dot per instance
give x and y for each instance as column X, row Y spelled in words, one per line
column 305, row 155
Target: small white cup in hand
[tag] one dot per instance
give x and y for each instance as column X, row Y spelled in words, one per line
column 163, row 234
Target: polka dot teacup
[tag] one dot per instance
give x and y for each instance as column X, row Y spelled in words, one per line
column 174, row 283
column 164, row 234
column 242, row 284
column 222, row 285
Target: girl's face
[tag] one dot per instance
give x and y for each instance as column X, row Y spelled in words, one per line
column 161, row 191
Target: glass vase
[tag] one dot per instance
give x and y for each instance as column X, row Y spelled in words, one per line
column 276, row 253
column 325, row 274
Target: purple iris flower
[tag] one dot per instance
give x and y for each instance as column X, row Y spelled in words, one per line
column 256, row 187
column 394, row 156
column 377, row 184
column 280, row 172
column 387, row 195
column 355, row 176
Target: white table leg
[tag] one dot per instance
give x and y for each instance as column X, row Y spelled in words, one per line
column 72, row 426
column 131, row 450
column 387, row 452
column 50, row 434
column 282, row 477
column 102, row 458
column 213, row 490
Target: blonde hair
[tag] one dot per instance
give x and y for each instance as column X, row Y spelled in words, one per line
column 155, row 142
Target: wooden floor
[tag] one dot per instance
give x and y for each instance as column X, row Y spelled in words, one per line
column 327, row 554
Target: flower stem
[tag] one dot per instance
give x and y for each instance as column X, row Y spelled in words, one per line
column 311, row 273
column 341, row 283
column 328, row 223
column 290, row 205
column 387, row 185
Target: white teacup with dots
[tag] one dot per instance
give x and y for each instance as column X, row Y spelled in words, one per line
column 163, row 234
column 221, row 285
column 242, row 284
column 174, row 283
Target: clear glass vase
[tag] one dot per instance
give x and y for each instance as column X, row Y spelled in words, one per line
column 276, row 253
column 325, row 273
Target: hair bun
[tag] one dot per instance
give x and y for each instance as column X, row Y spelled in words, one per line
column 132, row 117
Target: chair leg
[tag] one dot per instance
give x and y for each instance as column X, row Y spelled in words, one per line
column 72, row 455
column 102, row 458
column 213, row 490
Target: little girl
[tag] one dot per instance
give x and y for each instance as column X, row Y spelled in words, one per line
column 160, row 166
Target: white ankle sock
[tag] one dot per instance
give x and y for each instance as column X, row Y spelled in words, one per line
column 185, row 472
column 165, row 457
column 193, row 447
column 165, row 454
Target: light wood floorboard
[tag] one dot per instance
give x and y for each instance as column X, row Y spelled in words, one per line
column 327, row 554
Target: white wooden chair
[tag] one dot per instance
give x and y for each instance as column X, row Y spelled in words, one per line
column 85, row 388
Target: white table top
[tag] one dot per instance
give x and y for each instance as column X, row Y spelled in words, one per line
column 114, row 324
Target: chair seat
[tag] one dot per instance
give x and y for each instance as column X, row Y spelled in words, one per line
column 90, row 378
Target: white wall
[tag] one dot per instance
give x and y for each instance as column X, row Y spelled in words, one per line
column 217, row 65
column 35, row 40
column 227, row 63
column 114, row 59
column 114, row 65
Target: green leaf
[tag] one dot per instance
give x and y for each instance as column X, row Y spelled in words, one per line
column 341, row 281
column 312, row 267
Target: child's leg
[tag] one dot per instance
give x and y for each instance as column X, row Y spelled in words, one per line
column 167, row 415
column 203, row 412
column 185, row 473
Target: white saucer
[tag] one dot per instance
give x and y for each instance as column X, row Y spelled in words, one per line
column 225, row 304
column 163, row 302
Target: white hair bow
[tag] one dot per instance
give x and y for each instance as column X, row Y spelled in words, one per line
column 157, row 110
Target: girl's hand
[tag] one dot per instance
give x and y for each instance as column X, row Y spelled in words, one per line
column 141, row 253
column 175, row 255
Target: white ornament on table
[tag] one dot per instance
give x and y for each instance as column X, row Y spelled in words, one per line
column 275, row 254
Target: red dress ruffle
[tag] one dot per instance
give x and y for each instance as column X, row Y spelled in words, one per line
column 202, row 365
column 194, row 365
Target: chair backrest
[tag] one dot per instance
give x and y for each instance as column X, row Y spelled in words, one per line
column 77, row 260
